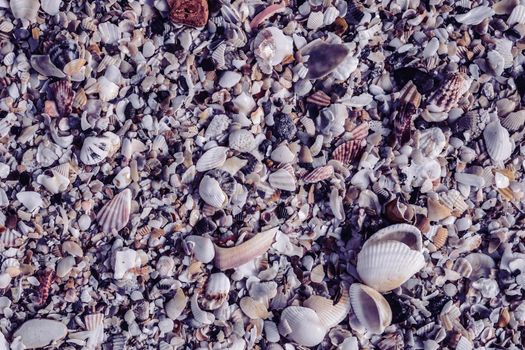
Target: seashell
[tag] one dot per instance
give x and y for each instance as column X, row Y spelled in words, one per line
column 96, row 149
column 229, row 79
column 315, row 20
column 301, row 325
column 53, row 181
column 217, row 126
column 227, row 258
column 193, row 13
column 464, row 344
column 244, row 103
column 451, row 91
column 43, row 65
column 265, row 14
column 463, row 267
column 242, row 140
column 107, row 90
column 29, row 199
column 114, row 215
column 26, row 9
column 386, row 265
column 329, row 314
column 440, row 237
column 72, row 248
column 198, row 314
column 176, row 305
column 323, row 58
column 253, row 309
column 371, row 308
column 202, row 248
column 454, row 200
column 514, row 121
column 40, row 332
column 51, row 7
column 212, row 158
column 109, row 33
column 436, row 210
column 399, row 212
column 302, row 87
column 123, row 178
column 349, row 151
column 495, row 62
column 330, row 15
column 432, row 141
column 409, row 102
column 309, row 125
column 6, row 27
column 497, row 141
column 9, row 59
column 9, row 238
column 45, row 280
column 271, row 47
column 218, row 56
column 64, row 266
column 216, row 291
column 95, row 325
column 319, row 174
column 11, row 266
column 63, row 95
column 282, row 180
column 124, row 261
column 475, row 16
column 319, row 98
column 404, row 233
column 282, row 154
column 211, row 192
column 517, row 16
column 504, row 48
column 5, row 280
column 74, row 68
column 482, row 265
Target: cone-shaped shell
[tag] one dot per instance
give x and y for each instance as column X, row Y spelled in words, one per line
column 329, row 314
column 211, row 192
column 114, row 216
column 404, row 233
column 302, row 325
column 386, row 265
column 497, row 141
column 370, row 308
column 212, row 158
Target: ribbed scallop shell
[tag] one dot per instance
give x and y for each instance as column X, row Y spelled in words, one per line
column 216, row 292
column 27, row 9
column 349, row 151
column 386, row 265
column 211, row 193
column 9, row 59
column 212, row 158
column 94, row 321
column 514, row 121
column 283, row 180
column 451, row 91
column 319, row 174
column 440, row 237
column 301, row 325
column 330, row 14
column 404, row 233
column 218, row 56
column 454, row 200
column 329, row 314
column 109, row 32
column 114, row 216
column 497, row 141
column 315, row 20
column 10, row 238
column 371, row 308
column 517, row 16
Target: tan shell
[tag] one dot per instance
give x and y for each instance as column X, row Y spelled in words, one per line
column 253, row 309
column 329, row 314
column 370, row 308
column 436, row 210
column 440, row 237
column 216, row 292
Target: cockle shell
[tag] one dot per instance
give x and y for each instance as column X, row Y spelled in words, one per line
column 371, row 308
column 202, row 248
column 216, row 291
column 253, row 308
column 517, row 16
column 440, row 237
column 315, row 20
column 349, row 151
column 96, row 149
column 386, row 265
column 497, row 141
column 228, row 258
column 404, row 233
column 211, row 193
column 319, row 174
column 329, row 314
column 109, row 32
column 107, row 90
column 283, row 180
column 330, row 14
column 95, row 326
column 212, row 158
column 51, row 7
column 242, row 140
column 514, row 121
column 302, row 325
column 27, row 9
column 114, row 216
column 271, row 47
column 448, row 96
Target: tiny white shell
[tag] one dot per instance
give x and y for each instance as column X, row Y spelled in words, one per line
column 109, row 32
column 229, row 79
column 330, row 14
column 282, row 154
column 212, row 158
column 124, row 260
column 29, row 199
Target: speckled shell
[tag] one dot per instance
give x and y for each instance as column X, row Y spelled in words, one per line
column 319, row 174
column 497, row 141
column 302, row 325
column 242, row 140
column 114, row 216
column 218, row 125
column 371, row 308
column 95, row 149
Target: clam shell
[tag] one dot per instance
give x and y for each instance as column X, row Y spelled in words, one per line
column 371, row 308
column 218, row 56
column 482, row 265
column 440, row 237
column 329, row 314
column 319, row 174
column 27, row 9
column 454, row 200
column 386, row 265
column 497, row 141
column 212, row 158
column 517, row 16
column 227, row 258
column 253, row 309
column 404, row 233
column 176, row 305
column 200, row 315
column 463, row 267
column 514, row 121
column 315, row 20
column 216, row 292
column 51, row 7
column 123, row 178
column 40, row 332
column 349, row 151
column 475, row 16
column 114, row 216
column 202, row 249
column 10, row 238
column 283, row 180
column 301, row 325
column 242, row 140
column 95, row 325
column 211, row 193
column 29, row 199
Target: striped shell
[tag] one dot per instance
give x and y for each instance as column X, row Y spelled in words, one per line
column 514, row 121
column 212, row 158
column 497, row 141
column 216, row 292
column 211, row 192
column 114, row 216
column 319, row 174
column 63, row 95
column 440, row 237
column 349, row 151
column 448, row 96
column 283, row 180
column 517, row 16
column 329, row 314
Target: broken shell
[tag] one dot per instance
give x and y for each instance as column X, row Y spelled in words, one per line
column 124, row 261
column 253, row 309
column 315, row 20
column 53, row 182
column 448, row 96
column 282, row 154
column 211, row 193
column 176, row 305
column 404, row 233
column 51, row 7
column 436, row 211
column 440, row 237
column 329, row 314
column 283, row 180
column 43, row 65
column 497, row 141
column 212, row 158
column 475, row 16
column 349, row 151
column 218, row 125
column 27, row 9
column 29, row 199
column 399, row 212
column 242, row 140
column 301, row 325
column 323, row 58
column 228, row 258
column 123, row 178
column 319, row 174
column 517, row 16
column 386, row 265
column 432, row 142
column 63, row 95
column 271, row 47
column 216, row 292
column 202, row 248
column 40, row 332
column 114, row 216
column 371, row 308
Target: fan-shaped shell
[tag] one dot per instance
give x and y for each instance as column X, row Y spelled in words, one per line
column 212, row 158
column 349, row 151
column 109, row 32
column 370, row 308
column 211, row 193
column 404, row 233
column 329, row 314
column 517, row 16
column 319, row 174
column 301, row 325
column 30, row 199
column 114, row 216
column 315, row 20
column 216, row 292
column 95, row 149
column 497, row 141
column 27, row 9
column 283, row 180
column 448, row 96
column 242, row 140
column 514, row 121
column 386, row 265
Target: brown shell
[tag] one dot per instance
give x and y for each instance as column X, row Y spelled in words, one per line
column 319, row 174
column 440, row 238
column 192, row 13
column 349, row 151
column 319, row 98
column 409, row 102
column 448, row 96
column 63, row 95
column 45, row 280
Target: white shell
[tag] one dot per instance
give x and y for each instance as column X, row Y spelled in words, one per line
column 244, row 103
column 386, row 265
column 302, row 325
column 123, row 178
column 202, row 248
column 114, row 216
column 517, row 15
column 212, row 158
column 496, row 62
column 271, row 47
column 109, row 32
column 504, row 48
column 5, row 280
column 283, row 180
column 242, row 140
column 40, row 332
column 404, row 233
column 329, row 314
column 475, row 16
column 200, row 315
column 9, row 59
column 211, row 193
column 218, row 125
column 107, row 90
column 176, row 305
column 30, row 200
column 432, row 142
column 64, row 266
column 315, row 20
column 371, row 308
column 95, row 149
column 216, row 291
column 51, row 7
column 27, row 9
column 497, row 141
column 95, row 326
column 514, row 121
column 282, row 154
column 229, row 79
column 124, row 260
column 330, row 14
column 54, row 183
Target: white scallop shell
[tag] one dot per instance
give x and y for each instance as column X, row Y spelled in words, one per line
column 514, row 121
column 114, row 216
column 303, row 87
column 109, row 32
column 517, row 15
column 202, row 248
column 212, row 158
column 95, row 326
column 29, row 199
column 282, row 180
column 216, row 292
column 211, row 193
column 404, row 233
column 27, row 9
column 218, row 125
column 160, row 145
column 315, row 20
column 242, row 140
column 96, row 148
column 386, row 265
column 54, row 183
column 454, row 200
column 432, row 142
column 9, row 59
column 51, row 7
column 301, row 325
column 329, row 314
column 497, row 141
column 330, row 14
column 371, row 308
